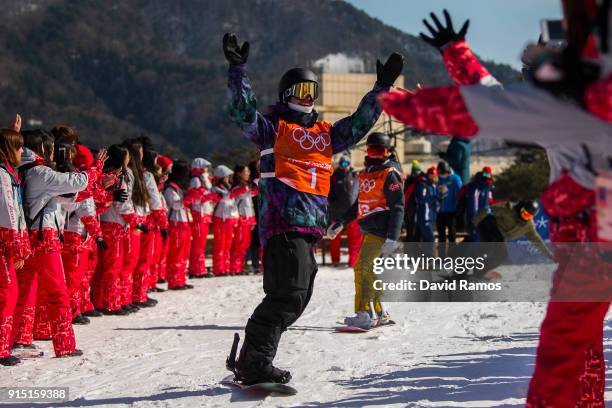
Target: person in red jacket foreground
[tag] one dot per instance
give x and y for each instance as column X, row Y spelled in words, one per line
column 566, row 107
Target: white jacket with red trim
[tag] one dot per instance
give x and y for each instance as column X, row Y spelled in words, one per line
column 44, row 188
column 13, row 230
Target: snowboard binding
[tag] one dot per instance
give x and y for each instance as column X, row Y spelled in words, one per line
column 230, row 362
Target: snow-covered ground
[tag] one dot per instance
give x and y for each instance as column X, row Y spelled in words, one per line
column 438, row 355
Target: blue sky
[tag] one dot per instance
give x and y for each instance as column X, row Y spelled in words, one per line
column 499, row 29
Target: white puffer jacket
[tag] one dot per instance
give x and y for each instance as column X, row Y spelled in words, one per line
column 203, row 208
column 226, row 208
column 177, row 211
column 122, row 213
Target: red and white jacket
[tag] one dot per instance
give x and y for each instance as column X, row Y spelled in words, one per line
column 158, row 217
column 244, row 203
column 82, row 226
column 14, row 240
column 226, row 207
column 204, row 206
column 117, row 219
column 178, row 203
column 45, row 195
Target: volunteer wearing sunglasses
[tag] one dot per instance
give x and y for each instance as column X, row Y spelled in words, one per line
column 296, row 167
column 506, row 222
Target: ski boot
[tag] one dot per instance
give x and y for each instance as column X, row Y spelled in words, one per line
column 80, row 319
column 75, row 353
column 19, row 346
column 249, row 373
column 120, row 312
column 92, row 313
column 362, row 319
column 384, row 319
column 10, row 361
column 149, row 303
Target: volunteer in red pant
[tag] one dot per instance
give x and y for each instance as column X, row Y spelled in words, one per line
column 141, row 239
column 201, row 210
column 165, row 165
column 179, row 231
column 44, row 188
column 106, row 284
column 225, row 218
column 13, row 236
column 158, row 218
column 244, row 192
column 82, row 234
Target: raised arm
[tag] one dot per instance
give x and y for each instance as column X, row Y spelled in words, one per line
column 437, row 110
column 461, row 63
column 242, row 104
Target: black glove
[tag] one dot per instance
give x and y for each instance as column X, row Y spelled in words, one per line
column 143, row 228
column 234, row 53
column 101, row 244
column 443, row 35
column 120, row 195
column 387, row 74
column 164, row 234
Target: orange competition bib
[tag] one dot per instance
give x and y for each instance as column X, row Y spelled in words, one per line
column 371, row 196
column 303, row 157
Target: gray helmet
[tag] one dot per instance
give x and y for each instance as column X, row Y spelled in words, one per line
column 222, row 171
column 200, row 163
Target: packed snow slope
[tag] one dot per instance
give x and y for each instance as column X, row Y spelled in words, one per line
column 173, row 355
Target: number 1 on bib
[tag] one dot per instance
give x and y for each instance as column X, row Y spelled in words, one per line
column 313, row 180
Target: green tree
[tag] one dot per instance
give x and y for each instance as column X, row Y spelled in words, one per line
column 526, row 178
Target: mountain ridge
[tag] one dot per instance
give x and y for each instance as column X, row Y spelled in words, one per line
column 117, row 69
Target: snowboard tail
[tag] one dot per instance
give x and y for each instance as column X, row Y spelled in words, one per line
column 263, row 387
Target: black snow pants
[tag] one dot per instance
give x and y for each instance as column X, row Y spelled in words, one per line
column 289, row 273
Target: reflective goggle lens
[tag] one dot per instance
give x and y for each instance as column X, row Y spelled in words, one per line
column 377, row 152
column 526, row 215
column 304, row 89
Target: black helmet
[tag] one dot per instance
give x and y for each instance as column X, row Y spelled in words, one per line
column 378, row 139
column 443, row 167
column 296, row 76
column 530, row 206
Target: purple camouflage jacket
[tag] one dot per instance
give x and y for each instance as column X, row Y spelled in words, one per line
column 282, row 208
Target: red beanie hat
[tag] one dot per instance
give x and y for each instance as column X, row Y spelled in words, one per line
column 83, row 158
column 164, row 162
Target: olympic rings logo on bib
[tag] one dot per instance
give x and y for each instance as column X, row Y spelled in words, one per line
column 366, row 186
column 307, row 141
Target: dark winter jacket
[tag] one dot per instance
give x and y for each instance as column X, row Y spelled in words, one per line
column 386, row 224
column 478, row 196
column 427, row 202
column 341, row 196
column 512, row 226
column 458, row 156
column 281, row 207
